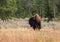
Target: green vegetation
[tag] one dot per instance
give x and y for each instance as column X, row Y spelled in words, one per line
column 7, row 9
column 26, row 8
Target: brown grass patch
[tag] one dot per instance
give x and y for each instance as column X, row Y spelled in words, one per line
column 29, row 35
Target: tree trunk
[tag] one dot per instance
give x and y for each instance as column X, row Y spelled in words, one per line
column 29, row 6
column 40, row 9
column 54, row 8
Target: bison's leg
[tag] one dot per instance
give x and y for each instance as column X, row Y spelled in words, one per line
column 39, row 26
column 34, row 27
column 30, row 25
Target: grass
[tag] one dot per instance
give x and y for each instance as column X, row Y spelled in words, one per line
column 50, row 40
column 29, row 35
column 39, row 39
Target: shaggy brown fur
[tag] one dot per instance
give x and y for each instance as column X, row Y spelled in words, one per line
column 38, row 18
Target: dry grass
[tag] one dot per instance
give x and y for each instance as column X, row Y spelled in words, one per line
column 29, row 35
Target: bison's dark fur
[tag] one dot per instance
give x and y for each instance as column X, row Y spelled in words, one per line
column 33, row 23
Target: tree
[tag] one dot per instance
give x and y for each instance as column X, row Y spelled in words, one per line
column 58, row 9
column 7, row 9
column 54, row 8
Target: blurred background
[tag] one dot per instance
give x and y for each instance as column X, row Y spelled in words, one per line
column 15, row 12
column 26, row 8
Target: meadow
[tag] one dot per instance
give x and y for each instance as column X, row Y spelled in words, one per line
column 20, row 31
column 29, row 35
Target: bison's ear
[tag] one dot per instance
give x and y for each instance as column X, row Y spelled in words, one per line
column 33, row 18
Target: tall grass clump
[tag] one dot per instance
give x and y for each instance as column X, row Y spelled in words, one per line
column 49, row 40
column 39, row 39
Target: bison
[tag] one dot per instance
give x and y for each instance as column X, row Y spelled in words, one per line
column 35, row 22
